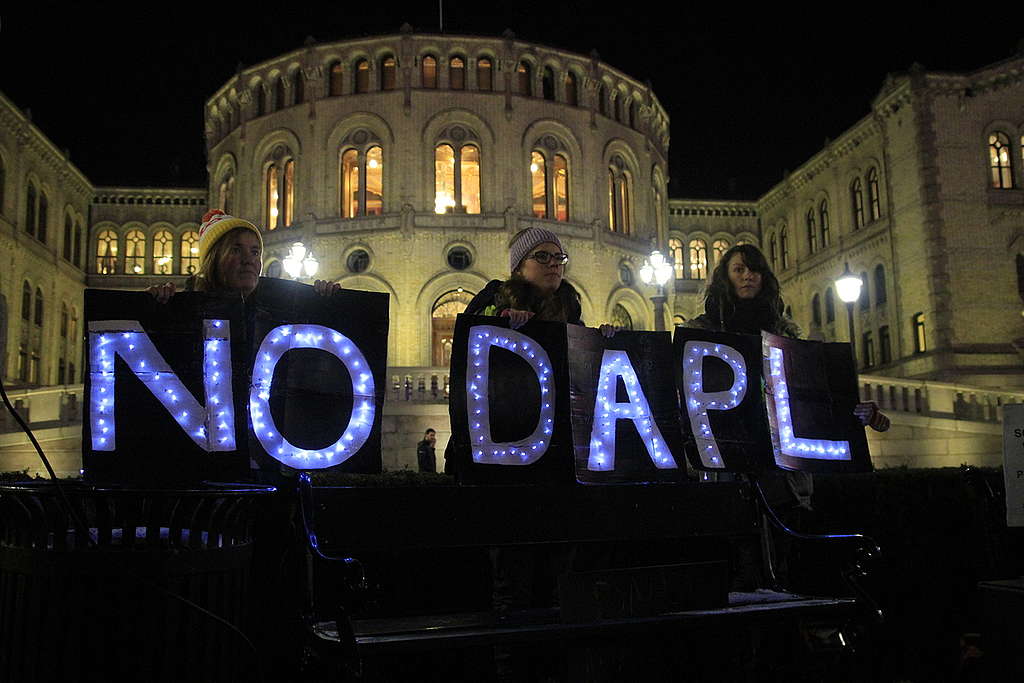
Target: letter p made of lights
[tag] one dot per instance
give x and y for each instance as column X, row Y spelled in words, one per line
column 203, row 387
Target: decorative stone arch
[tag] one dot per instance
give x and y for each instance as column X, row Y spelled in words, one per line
column 360, row 130
column 280, row 136
column 552, row 137
column 747, row 237
column 473, row 65
column 429, row 293
column 348, row 65
column 872, row 162
column 530, row 58
column 634, row 304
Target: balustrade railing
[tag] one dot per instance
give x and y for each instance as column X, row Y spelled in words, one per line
column 418, row 385
column 937, row 399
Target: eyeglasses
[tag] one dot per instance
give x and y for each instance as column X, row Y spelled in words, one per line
column 544, row 257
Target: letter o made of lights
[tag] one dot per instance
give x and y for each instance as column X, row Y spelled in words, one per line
column 285, row 338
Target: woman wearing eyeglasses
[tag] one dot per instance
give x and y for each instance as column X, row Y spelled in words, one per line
column 536, row 287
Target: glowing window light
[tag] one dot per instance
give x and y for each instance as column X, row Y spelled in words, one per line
column 698, row 401
column 786, row 442
column 285, row 338
column 127, row 339
column 615, row 364
column 523, row 451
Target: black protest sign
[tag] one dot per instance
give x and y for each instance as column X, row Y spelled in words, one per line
column 811, row 391
column 319, row 372
column 509, row 404
column 718, row 375
column 625, row 418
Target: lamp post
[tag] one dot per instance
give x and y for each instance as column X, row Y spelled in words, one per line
column 300, row 262
column 848, row 287
column 656, row 271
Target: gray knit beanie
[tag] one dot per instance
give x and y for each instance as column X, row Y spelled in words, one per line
column 527, row 240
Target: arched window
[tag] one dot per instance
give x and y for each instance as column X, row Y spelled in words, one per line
column 362, row 76
column 621, row 317
column 457, row 173
column 867, row 346
column 1000, row 160
column 428, row 71
column 30, row 208
column 602, row 100
column 830, row 306
column 864, row 299
column 880, row 294
column 362, row 177
column 299, row 83
column 823, row 215
column 773, row 252
column 279, row 190
column 271, row 197
column 336, row 80
column 26, row 301
column 675, row 250
column 279, row 94
column 484, row 74
column 64, row 321
column 135, row 252
column 812, row 232
column 226, row 193
column 547, row 83
column 617, row 105
column 572, row 95
column 68, row 229
column 884, row 345
column 457, row 73
column 78, row 245
column 633, row 114
column 289, row 193
column 106, row 252
column 260, row 95
column 388, row 72
column 39, row 307
column 620, row 196
column 698, row 260
column 917, row 332
column 442, row 324
column 549, row 180
column 874, row 203
column 816, row 309
column 189, row 253
column 718, row 249
column 857, row 200
column 524, row 79
column 163, row 252
column 784, row 247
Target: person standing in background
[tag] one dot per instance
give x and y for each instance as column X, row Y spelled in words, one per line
column 425, row 452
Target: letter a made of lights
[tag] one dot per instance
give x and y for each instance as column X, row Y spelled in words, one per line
column 212, row 427
column 615, row 364
column 778, row 402
column 285, row 338
column 524, row 451
column 699, row 402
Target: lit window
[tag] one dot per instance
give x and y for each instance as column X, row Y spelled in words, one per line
column 1000, row 160
column 812, row 232
column 336, row 80
column 388, row 73
column 675, row 250
column 429, row 71
column 135, row 252
column 823, row 215
column 917, row 325
column 457, row 73
column 442, row 323
column 857, row 199
column 524, row 79
column 362, row 179
column 289, row 192
column 873, row 199
column 718, row 249
column 698, row 260
column 561, row 188
column 362, row 75
column 547, row 83
column 106, row 252
column 484, row 79
column 620, row 196
column 538, row 185
column 189, row 253
column 163, row 253
column 549, row 191
column 572, row 96
column 272, row 197
column 457, row 177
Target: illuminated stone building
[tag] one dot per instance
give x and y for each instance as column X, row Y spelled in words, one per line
column 406, row 163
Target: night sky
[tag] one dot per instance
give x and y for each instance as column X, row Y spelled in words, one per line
column 748, row 95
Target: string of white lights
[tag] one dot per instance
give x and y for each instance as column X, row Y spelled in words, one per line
column 698, row 401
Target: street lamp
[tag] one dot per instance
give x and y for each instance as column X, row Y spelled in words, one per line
column 299, row 262
column 657, row 271
column 848, row 287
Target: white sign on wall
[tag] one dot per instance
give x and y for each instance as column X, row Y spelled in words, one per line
column 1013, row 462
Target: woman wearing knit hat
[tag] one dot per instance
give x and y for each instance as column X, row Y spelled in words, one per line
column 536, row 287
column 230, row 258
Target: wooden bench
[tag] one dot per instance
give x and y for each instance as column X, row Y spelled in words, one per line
column 357, row 536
